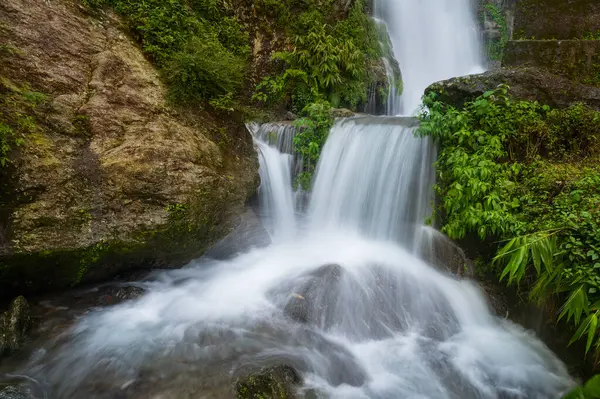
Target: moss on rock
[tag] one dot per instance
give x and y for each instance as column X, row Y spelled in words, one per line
column 14, row 326
column 578, row 60
column 277, row 382
column 525, row 84
column 110, row 176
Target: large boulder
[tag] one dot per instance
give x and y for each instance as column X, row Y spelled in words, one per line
column 525, row 83
column 108, row 176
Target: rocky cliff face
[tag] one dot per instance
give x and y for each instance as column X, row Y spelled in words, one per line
column 105, row 176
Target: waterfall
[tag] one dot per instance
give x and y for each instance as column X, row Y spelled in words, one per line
column 346, row 298
column 432, row 40
column 279, row 165
column 374, row 176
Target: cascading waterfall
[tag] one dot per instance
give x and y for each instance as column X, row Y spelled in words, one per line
column 278, row 166
column 345, row 300
column 374, row 177
column 432, row 40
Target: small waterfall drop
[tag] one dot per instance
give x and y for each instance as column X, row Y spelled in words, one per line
column 432, row 40
column 279, row 164
column 375, row 177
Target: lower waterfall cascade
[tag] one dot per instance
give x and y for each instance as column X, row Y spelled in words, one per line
column 375, row 321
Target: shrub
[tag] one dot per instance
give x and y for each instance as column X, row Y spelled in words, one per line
column 314, row 128
column 203, row 70
column 527, row 174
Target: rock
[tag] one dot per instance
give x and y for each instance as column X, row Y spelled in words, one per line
column 578, row 60
column 556, row 19
column 342, row 113
column 440, row 251
column 290, row 116
column 308, row 303
column 110, row 177
column 14, row 326
column 11, row 392
column 277, row 382
column 525, row 84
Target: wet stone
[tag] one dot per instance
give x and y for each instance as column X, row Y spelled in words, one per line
column 14, row 326
column 279, row 382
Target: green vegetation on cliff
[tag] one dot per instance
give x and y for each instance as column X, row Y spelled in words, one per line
column 204, row 50
column 200, row 45
column 329, row 58
column 314, row 127
column 521, row 181
column 17, row 116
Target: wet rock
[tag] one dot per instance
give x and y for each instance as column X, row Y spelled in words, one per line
column 279, row 382
column 525, row 83
column 14, row 326
column 342, row 113
column 290, row 116
column 12, row 392
column 440, row 251
column 308, row 303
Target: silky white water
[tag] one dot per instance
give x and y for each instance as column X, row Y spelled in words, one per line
column 344, row 300
column 432, row 40
column 341, row 294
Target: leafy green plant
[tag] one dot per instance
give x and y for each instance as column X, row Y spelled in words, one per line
column 328, row 59
column 591, row 390
column 309, row 142
column 203, row 70
column 524, row 174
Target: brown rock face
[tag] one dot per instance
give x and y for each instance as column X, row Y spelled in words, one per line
column 525, row 83
column 111, row 177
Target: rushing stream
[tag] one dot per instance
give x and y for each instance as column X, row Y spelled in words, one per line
column 341, row 294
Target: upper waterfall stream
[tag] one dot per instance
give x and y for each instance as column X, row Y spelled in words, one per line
column 341, row 294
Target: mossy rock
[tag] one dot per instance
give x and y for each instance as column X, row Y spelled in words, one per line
column 277, row 382
column 14, row 326
column 530, row 84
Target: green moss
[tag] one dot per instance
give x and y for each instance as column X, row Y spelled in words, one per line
column 495, row 48
column 18, row 106
column 270, row 383
column 82, row 125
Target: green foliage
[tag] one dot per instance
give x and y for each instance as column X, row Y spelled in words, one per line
column 592, row 36
column 591, row 390
column 309, row 142
column 203, row 70
column 495, row 48
column 199, row 44
column 17, row 117
column 522, row 172
column 329, row 59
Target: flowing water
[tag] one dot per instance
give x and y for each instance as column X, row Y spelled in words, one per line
column 432, row 40
column 342, row 294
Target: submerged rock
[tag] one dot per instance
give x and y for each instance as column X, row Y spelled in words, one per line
column 308, row 304
column 14, row 326
column 279, row 382
column 525, row 84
